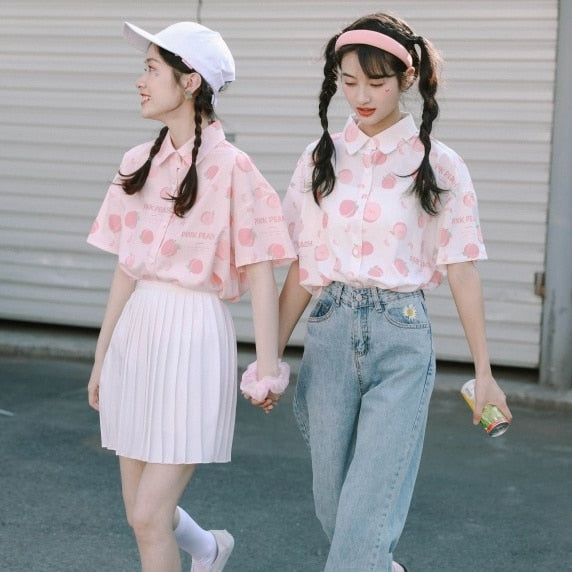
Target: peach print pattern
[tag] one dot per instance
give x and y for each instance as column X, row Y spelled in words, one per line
column 237, row 219
column 370, row 231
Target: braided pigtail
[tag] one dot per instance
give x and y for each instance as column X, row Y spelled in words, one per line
column 323, row 175
column 189, row 188
column 425, row 186
column 134, row 181
column 203, row 107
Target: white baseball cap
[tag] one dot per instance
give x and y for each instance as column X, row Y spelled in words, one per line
column 200, row 48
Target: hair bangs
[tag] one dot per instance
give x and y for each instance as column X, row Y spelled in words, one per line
column 377, row 63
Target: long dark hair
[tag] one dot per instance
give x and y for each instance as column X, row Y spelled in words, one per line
column 377, row 63
column 186, row 195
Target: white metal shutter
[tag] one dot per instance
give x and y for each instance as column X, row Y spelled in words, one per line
column 68, row 111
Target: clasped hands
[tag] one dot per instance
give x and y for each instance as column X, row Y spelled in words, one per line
column 265, row 392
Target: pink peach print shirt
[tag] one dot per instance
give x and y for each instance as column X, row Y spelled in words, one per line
column 237, row 219
column 370, row 231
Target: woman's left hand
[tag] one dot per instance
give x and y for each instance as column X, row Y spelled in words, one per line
column 488, row 391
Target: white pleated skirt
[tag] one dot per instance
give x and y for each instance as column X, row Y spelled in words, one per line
column 168, row 384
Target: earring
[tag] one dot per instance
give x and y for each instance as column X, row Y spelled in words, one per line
column 188, row 95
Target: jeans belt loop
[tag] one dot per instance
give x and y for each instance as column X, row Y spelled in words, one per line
column 338, row 288
column 377, row 301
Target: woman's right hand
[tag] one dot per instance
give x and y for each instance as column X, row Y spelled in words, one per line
column 93, row 390
column 122, row 287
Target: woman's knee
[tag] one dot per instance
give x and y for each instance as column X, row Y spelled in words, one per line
column 136, row 518
column 145, row 521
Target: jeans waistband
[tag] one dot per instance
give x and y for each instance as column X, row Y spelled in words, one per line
column 361, row 297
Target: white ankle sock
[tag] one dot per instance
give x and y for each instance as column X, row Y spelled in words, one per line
column 396, row 567
column 197, row 541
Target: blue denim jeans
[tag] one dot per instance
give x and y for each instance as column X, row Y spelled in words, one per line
column 361, row 403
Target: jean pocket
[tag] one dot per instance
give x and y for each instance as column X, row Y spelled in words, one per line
column 408, row 312
column 323, row 309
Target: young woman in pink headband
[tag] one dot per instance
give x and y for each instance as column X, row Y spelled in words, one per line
column 193, row 224
column 378, row 213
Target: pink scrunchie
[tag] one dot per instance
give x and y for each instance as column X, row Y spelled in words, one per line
column 258, row 389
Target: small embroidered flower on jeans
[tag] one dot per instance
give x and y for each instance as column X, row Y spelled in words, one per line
column 410, row 312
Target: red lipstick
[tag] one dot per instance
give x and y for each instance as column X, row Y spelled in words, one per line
column 365, row 111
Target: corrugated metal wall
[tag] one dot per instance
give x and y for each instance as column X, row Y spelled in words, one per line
column 68, row 110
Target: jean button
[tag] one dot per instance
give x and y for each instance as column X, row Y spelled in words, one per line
column 359, row 297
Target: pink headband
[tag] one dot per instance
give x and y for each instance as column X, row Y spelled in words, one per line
column 377, row 40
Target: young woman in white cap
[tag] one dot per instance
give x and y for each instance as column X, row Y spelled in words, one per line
column 379, row 213
column 193, row 223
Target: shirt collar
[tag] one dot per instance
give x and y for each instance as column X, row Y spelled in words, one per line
column 211, row 136
column 386, row 141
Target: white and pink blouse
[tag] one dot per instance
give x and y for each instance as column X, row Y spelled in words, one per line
column 236, row 220
column 371, row 230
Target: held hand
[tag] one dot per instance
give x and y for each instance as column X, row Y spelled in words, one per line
column 269, row 402
column 264, row 392
column 487, row 391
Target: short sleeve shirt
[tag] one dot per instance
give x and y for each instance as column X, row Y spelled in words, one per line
column 371, row 231
column 236, row 220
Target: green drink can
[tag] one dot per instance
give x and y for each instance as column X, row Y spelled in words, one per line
column 492, row 419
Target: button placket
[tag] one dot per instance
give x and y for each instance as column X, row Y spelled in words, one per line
column 162, row 219
column 366, row 187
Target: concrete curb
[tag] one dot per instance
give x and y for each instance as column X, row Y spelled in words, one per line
column 59, row 342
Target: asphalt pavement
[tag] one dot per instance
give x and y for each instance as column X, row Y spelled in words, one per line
column 481, row 503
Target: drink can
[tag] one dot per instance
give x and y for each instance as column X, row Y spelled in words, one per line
column 492, row 419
